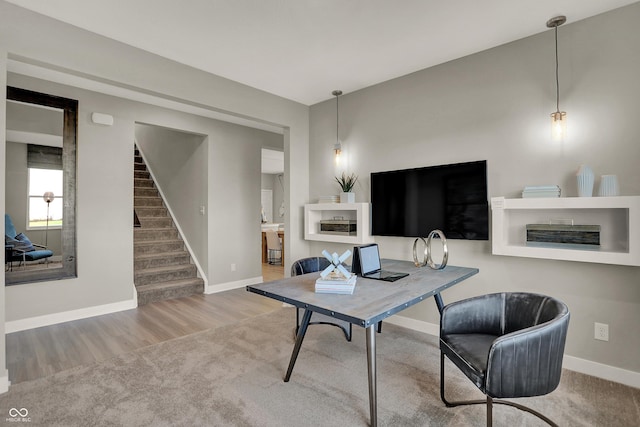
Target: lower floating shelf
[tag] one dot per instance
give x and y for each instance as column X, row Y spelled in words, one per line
column 618, row 216
column 360, row 212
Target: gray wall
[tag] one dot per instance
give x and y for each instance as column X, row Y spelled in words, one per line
column 495, row 105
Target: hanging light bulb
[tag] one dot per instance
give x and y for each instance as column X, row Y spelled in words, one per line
column 338, row 153
column 558, row 118
column 558, row 125
column 337, row 148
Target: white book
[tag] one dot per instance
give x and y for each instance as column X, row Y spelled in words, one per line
column 336, row 286
column 332, row 279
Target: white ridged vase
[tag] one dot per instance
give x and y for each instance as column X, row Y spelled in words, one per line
column 585, row 179
column 608, row 186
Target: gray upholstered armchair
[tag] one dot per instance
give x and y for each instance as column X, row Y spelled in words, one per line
column 509, row 344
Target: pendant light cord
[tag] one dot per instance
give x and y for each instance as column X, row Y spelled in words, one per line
column 337, row 119
column 557, row 79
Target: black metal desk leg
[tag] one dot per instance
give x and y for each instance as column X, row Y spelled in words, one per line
column 371, row 364
column 439, row 302
column 296, row 348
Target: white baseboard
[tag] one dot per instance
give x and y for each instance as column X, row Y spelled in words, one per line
column 416, row 325
column 221, row 287
column 67, row 316
column 572, row 363
column 601, row 370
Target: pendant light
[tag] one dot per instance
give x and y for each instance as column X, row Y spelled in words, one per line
column 558, row 118
column 337, row 148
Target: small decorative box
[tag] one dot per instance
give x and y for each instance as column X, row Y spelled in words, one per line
column 563, row 234
column 344, row 227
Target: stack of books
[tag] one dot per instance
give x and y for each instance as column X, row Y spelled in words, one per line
column 541, row 191
column 336, row 284
column 329, row 199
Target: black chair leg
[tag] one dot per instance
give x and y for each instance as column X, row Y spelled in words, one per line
column 489, row 401
column 442, row 396
column 347, row 331
column 526, row 409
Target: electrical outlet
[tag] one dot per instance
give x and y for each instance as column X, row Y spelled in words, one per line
column 233, row 267
column 601, row 331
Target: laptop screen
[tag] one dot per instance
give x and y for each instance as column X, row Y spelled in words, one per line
column 369, row 259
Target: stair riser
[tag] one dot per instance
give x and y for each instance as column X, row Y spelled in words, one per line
column 158, row 248
column 150, row 212
column 142, row 183
column 156, row 222
column 140, row 234
column 149, row 296
column 146, row 278
column 146, row 192
column 141, row 175
column 139, row 167
column 161, row 262
column 147, row 202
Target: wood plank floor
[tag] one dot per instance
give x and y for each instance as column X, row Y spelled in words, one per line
column 43, row 351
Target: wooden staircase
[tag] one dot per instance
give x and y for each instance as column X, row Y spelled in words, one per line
column 162, row 267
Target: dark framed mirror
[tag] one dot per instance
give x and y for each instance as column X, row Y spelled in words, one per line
column 40, row 206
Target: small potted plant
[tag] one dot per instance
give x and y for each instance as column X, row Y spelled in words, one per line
column 346, row 183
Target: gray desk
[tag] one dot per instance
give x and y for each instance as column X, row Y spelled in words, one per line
column 372, row 301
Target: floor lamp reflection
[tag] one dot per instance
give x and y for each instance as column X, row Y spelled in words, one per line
column 48, row 197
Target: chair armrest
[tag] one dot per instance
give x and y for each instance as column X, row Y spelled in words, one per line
column 527, row 362
column 482, row 314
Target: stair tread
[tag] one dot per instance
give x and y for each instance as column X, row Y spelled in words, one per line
column 150, row 242
column 165, row 268
column 160, row 255
column 156, row 229
column 170, row 284
column 157, row 239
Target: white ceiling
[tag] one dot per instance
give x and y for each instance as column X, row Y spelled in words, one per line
column 304, row 49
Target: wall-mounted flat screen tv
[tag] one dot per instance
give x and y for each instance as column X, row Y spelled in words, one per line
column 412, row 202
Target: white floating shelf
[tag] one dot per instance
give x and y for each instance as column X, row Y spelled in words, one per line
column 618, row 217
column 361, row 212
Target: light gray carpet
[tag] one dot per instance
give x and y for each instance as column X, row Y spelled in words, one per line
column 232, row 376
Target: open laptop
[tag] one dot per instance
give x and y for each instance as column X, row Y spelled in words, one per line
column 369, row 259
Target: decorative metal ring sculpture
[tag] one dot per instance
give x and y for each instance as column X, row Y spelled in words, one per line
column 415, row 253
column 445, row 256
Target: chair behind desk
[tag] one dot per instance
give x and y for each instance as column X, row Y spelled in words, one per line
column 312, row 265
